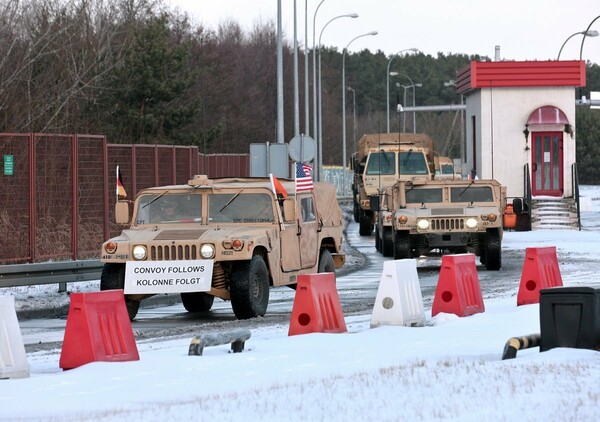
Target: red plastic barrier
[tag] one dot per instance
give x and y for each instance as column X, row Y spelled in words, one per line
column 98, row 329
column 458, row 291
column 317, row 307
column 540, row 271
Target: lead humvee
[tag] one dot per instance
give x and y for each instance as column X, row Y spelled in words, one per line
column 230, row 238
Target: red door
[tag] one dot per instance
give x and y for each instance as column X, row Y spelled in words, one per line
column 547, row 163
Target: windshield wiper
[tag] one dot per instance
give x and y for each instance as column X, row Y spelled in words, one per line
column 231, row 200
column 465, row 189
column 153, row 200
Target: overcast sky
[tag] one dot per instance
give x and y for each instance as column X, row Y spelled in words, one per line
column 524, row 30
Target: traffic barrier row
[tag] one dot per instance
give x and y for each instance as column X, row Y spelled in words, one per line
column 98, row 326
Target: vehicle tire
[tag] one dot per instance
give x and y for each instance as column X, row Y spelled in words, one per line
column 365, row 227
column 197, row 301
column 387, row 242
column 249, row 288
column 402, row 248
column 377, row 239
column 356, row 211
column 326, row 264
column 493, row 250
column 113, row 278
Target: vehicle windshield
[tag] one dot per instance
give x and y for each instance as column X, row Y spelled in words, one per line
column 413, row 162
column 169, row 208
column 240, row 207
column 447, row 169
column 423, row 196
column 472, row 194
column 381, row 163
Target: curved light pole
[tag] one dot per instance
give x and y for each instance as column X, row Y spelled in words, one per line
column 405, row 87
column 320, row 122
column 315, row 128
column 353, row 117
column 585, row 33
column 344, row 107
column 388, row 82
column 592, row 33
column 412, row 84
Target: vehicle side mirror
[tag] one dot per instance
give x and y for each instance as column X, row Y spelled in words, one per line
column 374, row 203
column 289, row 209
column 122, row 213
column 517, row 205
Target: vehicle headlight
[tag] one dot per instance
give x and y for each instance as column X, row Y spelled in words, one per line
column 423, row 224
column 471, row 223
column 207, row 251
column 139, row 252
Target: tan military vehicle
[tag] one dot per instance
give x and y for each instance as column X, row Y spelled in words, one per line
column 450, row 216
column 230, row 238
column 444, row 169
column 380, row 161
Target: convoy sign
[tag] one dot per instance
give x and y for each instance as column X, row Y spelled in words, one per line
column 151, row 277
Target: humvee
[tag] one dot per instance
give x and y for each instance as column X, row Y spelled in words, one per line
column 230, row 238
column 450, row 216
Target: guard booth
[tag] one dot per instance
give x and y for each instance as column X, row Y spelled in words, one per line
column 520, row 130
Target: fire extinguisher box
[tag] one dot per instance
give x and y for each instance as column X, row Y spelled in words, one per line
column 570, row 317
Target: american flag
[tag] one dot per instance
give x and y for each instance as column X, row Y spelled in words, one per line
column 303, row 177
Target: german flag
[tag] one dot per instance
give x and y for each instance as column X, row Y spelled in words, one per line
column 121, row 194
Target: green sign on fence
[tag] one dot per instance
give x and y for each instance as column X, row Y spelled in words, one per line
column 9, row 165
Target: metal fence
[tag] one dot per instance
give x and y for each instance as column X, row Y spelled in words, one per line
column 340, row 177
column 57, row 191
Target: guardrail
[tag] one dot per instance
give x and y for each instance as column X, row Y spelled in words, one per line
column 60, row 272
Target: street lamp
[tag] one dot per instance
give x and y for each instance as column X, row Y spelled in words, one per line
column 584, row 35
column 592, row 33
column 315, row 128
column 353, row 117
column 344, row 107
column 415, row 50
column 412, row 85
column 320, row 148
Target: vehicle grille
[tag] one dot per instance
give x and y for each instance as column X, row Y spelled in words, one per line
column 447, row 224
column 173, row 252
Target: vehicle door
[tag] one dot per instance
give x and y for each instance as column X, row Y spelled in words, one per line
column 308, row 230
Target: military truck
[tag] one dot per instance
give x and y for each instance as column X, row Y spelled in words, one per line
column 447, row 216
column 230, row 238
column 381, row 160
column 444, row 169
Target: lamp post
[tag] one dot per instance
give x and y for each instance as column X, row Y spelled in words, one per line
column 353, row 117
column 388, row 82
column 315, row 128
column 412, row 85
column 585, row 33
column 592, row 33
column 344, row 107
column 320, row 103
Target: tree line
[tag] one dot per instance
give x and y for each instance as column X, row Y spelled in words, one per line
column 139, row 71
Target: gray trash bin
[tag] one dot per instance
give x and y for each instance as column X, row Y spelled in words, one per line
column 570, row 317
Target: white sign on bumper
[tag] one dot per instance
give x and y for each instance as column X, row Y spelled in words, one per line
column 151, row 277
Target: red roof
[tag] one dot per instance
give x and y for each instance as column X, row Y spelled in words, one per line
column 521, row 74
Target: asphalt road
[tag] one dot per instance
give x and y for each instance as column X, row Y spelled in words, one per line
column 357, row 285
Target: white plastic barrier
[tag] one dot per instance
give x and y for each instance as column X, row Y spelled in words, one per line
column 13, row 361
column 399, row 300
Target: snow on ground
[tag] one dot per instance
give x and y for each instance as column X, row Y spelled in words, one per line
column 451, row 369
